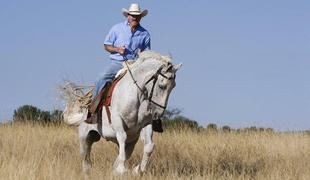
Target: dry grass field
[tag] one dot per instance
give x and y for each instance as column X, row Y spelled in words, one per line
column 52, row 153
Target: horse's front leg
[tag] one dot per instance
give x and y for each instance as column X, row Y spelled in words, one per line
column 146, row 136
column 119, row 164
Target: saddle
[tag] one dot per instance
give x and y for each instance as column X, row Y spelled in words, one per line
column 104, row 98
column 110, row 88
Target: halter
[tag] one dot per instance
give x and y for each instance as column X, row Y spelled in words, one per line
column 154, row 78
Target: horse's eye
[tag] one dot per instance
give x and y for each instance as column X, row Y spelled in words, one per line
column 162, row 86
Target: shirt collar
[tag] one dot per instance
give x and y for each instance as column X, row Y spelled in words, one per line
column 127, row 24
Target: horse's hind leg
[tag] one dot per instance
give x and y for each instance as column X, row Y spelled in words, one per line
column 88, row 135
column 146, row 136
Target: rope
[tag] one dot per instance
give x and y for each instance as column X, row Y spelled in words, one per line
column 85, row 99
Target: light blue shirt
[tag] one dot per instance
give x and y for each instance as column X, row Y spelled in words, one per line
column 120, row 35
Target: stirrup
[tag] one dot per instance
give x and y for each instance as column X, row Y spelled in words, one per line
column 91, row 118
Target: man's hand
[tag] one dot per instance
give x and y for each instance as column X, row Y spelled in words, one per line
column 121, row 50
column 113, row 49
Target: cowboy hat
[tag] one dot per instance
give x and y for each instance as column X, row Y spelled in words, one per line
column 134, row 9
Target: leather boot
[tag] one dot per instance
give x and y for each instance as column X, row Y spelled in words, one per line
column 91, row 118
column 93, row 107
column 157, row 126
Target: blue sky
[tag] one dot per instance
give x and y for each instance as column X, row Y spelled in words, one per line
column 245, row 63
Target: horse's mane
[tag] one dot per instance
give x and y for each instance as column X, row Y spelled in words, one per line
column 147, row 55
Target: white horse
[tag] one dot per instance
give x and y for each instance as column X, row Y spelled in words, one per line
column 139, row 97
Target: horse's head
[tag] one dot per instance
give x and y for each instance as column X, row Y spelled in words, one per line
column 161, row 85
column 157, row 75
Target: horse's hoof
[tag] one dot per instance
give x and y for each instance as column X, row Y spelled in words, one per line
column 120, row 170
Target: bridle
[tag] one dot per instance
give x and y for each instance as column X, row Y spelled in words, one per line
column 153, row 79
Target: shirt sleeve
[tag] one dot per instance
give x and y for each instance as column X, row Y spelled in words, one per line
column 111, row 37
column 147, row 43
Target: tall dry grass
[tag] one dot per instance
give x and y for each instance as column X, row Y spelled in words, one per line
column 30, row 151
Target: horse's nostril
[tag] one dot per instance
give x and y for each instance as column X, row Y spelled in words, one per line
column 156, row 115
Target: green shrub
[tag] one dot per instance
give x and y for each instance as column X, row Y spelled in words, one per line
column 212, row 127
column 29, row 113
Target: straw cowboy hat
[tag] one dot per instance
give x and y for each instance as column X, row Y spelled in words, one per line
column 134, row 9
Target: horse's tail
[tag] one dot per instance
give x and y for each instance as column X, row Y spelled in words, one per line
column 76, row 103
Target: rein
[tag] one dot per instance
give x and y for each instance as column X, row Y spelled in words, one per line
column 134, row 81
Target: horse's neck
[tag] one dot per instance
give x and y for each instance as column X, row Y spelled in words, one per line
column 138, row 75
column 145, row 69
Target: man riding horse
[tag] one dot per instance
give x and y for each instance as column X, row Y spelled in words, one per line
column 124, row 41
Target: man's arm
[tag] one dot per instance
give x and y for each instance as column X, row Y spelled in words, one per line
column 113, row 49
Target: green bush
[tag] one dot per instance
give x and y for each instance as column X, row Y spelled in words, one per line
column 173, row 120
column 56, row 116
column 226, row 128
column 29, row 113
column 180, row 123
column 212, row 127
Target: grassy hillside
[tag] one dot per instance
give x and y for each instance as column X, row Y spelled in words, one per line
column 52, row 152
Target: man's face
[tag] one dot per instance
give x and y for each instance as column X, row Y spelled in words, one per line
column 134, row 20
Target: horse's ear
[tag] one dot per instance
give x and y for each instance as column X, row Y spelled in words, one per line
column 167, row 67
column 177, row 67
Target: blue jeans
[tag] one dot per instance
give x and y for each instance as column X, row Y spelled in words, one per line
column 107, row 76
